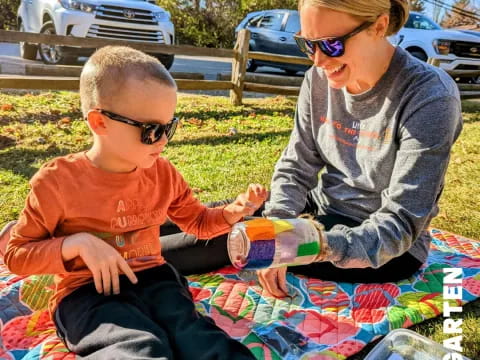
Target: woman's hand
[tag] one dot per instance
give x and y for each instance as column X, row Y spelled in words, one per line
column 245, row 204
column 102, row 260
column 274, row 280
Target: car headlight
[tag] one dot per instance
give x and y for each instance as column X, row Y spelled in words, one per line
column 442, row 47
column 78, row 5
column 162, row 15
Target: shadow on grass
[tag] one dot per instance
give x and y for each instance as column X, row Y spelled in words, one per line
column 237, row 139
column 6, row 142
column 25, row 162
column 21, row 161
column 221, row 114
column 471, row 111
column 42, row 117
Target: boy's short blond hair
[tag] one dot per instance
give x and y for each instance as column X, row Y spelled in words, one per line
column 110, row 67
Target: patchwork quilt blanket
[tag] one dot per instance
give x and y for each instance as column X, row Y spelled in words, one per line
column 321, row 320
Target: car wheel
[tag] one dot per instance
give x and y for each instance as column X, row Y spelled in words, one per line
column 27, row 51
column 166, row 60
column 251, row 65
column 52, row 54
column 419, row 55
column 291, row 72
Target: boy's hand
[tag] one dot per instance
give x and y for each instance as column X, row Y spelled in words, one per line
column 102, row 260
column 245, row 204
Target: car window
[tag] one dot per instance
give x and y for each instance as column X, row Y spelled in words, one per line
column 254, row 21
column 272, row 21
column 421, row 22
column 293, row 23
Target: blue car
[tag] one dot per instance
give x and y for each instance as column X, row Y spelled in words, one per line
column 272, row 31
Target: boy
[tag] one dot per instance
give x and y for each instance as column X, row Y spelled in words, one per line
column 95, row 216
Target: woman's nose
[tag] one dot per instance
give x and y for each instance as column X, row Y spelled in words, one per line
column 319, row 57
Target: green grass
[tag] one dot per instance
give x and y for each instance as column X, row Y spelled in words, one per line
column 220, row 162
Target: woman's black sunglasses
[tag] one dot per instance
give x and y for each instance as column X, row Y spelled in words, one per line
column 151, row 132
column 332, row 47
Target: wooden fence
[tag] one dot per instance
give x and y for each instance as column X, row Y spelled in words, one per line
column 237, row 83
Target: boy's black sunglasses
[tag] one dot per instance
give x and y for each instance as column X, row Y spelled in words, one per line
column 332, row 47
column 151, row 132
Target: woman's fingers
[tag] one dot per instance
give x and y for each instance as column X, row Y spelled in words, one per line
column 269, row 279
column 282, row 280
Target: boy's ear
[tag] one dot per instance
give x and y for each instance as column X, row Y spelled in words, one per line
column 96, row 121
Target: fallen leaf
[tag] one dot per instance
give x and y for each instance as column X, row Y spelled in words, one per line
column 7, row 107
column 195, row 121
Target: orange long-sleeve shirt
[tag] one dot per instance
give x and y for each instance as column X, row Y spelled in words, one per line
column 70, row 195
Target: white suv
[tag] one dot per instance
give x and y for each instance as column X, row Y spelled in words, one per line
column 136, row 20
column 457, row 52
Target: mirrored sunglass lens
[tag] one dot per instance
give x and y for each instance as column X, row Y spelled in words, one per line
column 332, row 47
column 302, row 46
column 149, row 134
column 158, row 131
column 309, row 47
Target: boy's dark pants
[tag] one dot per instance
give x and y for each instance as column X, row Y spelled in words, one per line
column 153, row 319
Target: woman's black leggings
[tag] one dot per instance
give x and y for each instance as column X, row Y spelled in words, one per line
column 192, row 256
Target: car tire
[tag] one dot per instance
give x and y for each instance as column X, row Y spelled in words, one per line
column 166, row 60
column 52, row 54
column 27, row 51
column 419, row 55
column 251, row 65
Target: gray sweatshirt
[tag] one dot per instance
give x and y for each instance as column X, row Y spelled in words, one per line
column 384, row 154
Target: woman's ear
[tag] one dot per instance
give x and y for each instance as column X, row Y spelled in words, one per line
column 380, row 27
column 96, row 122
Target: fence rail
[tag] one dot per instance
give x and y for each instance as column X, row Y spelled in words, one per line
column 67, row 77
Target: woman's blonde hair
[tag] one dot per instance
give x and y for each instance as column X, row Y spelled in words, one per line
column 367, row 10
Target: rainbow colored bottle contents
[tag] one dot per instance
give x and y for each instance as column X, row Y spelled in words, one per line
column 262, row 243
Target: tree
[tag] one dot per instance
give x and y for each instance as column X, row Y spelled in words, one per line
column 454, row 18
column 212, row 23
column 417, row 5
column 8, row 14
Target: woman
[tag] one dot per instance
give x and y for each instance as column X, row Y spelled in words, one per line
column 378, row 126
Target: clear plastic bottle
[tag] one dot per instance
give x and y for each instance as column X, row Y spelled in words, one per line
column 261, row 243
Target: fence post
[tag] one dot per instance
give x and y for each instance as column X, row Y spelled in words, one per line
column 239, row 65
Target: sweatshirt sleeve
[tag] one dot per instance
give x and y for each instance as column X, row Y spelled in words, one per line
column 191, row 215
column 296, row 172
column 33, row 248
column 426, row 135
